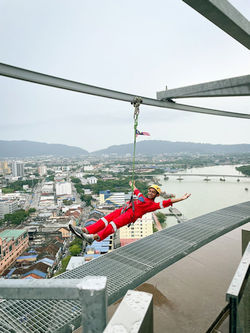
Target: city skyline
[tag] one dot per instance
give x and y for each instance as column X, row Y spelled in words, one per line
column 137, row 48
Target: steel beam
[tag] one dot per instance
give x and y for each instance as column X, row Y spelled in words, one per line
column 225, row 16
column 56, row 289
column 235, row 86
column 52, row 81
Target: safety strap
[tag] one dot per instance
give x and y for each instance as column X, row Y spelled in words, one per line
column 136, row 103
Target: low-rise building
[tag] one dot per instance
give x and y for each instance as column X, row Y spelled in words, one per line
column 115, row 198
column 92, row 180
column 12, row 244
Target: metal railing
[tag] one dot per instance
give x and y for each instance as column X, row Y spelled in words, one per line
column 135, row 313
column 238, row 296
column 90, row 291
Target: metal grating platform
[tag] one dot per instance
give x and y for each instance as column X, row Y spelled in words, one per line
column 126, row 268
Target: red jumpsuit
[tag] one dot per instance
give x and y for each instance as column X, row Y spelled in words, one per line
column 110, row 223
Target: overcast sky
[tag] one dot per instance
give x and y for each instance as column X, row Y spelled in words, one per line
column 137, row 47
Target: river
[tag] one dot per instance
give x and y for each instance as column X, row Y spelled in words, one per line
column 206, row 196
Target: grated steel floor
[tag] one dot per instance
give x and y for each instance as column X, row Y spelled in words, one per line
column 126, row 268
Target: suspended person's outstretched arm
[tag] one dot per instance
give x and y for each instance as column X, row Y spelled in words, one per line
column 184, row 197
column 136, row 190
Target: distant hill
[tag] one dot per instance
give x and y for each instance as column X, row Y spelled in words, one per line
column 20, row 149
column 155, row 147
column 30, row 148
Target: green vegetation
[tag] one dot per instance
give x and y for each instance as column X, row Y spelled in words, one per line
column 154, row 228
column 245, row 169
column 18, row 185
column 75, row 247
column 67, row 202
column 75, row 250
column 50, row 178
column 161, row 217
column 18, row 216
column 75, row 180
column 64, row 262
column 6, row 190
column 87, row 198
column 116, row 185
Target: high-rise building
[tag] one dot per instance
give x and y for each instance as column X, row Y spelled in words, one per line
column 42, row 170
column 63, row 188
column 4, row 168
column 17, row 169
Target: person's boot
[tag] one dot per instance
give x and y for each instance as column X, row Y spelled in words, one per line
column 80, row 234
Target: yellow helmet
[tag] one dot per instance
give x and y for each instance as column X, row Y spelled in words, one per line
column 156, row 187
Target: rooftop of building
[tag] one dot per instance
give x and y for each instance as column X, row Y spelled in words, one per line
column 11, row 233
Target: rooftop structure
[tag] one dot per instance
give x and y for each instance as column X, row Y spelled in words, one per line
column 11, row 234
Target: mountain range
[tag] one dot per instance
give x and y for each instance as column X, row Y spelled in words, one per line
column 30, row 148
column 20, row 149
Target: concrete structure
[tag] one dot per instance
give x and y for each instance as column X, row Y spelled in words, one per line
column 134, row 314
column 48, row 187
column 75, row 262
column 236, row 86
column 63, row 188
column 12, row 244
column 141, row 228
column 7, row 207
column 17, row 169
column 226, row 17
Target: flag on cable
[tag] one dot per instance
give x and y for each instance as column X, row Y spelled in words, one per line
column 142, row 133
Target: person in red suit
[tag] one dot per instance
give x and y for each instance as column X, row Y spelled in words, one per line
column 108, row 224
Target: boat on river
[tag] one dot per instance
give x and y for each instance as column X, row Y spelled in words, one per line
column 206, row 179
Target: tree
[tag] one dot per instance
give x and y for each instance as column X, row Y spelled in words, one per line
column 75, row 180
column 245, row 169
column 67, row 202
column 161, row 217
column 75, row 250
column 87, row 199
column 64, row 264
